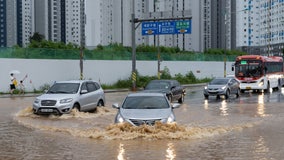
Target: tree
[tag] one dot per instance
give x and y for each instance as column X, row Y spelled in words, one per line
column 36, row 37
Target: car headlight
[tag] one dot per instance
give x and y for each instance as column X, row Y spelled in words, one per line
column 261, row 83
column 67, row 100
column 170, row 119
column 224, row 87
column 119, row 119
column 36, row 101
column 205, row 87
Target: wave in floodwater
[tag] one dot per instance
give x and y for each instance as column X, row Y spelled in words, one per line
column 101, row 111
column 126, row 131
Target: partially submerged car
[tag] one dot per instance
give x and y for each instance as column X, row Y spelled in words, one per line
column 145, row 108
column 172, row 88
column 222, row 87
column 63, row 96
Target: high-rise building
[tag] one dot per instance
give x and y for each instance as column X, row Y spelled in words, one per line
column 261, row 26
column 61, row 20
column 253, row 26
column 8, row 22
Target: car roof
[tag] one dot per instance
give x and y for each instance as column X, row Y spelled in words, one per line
column 167, row 80
column 163, row 80
column 224, row 78
column 137, row 94
column 75, row 81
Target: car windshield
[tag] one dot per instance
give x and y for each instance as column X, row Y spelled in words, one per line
column 220, row 81
column 66, row 88
column 158, row 85
column 145, row 102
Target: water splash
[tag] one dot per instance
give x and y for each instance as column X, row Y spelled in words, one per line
column 123, row 131
column 101, row 111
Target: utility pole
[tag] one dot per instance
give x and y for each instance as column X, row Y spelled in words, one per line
column 133, row 76
column 81, row 62
column 133, row 28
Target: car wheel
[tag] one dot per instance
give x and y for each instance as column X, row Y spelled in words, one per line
column 100, row 103
column 170, row 98
column 238, row 93
column 267, row 90
column 206, row 96
column 227, row 95
column 181, row 100
column 279, row 86
column 76, row 106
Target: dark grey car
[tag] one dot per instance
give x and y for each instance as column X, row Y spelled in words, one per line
column 222, row 86
column 172, row 88
column 145, row 108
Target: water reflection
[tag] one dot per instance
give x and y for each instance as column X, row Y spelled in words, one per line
column 206, row 104
column 224, row 108
column 171, row 154
column 260, row 148
column 261, row 106
column 121, row 152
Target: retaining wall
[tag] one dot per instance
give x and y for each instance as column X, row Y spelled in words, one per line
column 42, row 72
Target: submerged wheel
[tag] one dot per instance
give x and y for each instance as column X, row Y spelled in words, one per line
column 100, row 103
column 267, row 90
column 206, row 96
column 181, row 99
column 227, row 95
column 76, row 106
column 170, row 98
column 238, row 93
column 279, row 85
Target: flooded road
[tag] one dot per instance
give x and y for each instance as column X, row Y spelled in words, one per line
column 249, row 127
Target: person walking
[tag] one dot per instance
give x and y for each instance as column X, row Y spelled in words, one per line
column 22, row 86
column 13, row 83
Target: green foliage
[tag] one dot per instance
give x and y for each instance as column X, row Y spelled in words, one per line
column 142, row 81
column 52, row 45
column 115, row 51
column 99, row 47
column 36, row 37
column 215, row 51
column 166, row 73
column 44, row 87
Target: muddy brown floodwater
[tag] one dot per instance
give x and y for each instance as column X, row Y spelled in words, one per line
column 249, row 127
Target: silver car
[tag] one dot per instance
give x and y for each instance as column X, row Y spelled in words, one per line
column 222, row 86
column 63, row 96
column 145, row 108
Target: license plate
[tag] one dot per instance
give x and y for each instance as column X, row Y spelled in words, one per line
column 46, row 110
column 248, row 87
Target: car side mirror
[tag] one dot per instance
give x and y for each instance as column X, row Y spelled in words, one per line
column 175, row 105
column 84, row 91
column 115, row 105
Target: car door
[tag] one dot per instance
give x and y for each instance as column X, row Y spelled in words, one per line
column 234, row 86
column 88, row 97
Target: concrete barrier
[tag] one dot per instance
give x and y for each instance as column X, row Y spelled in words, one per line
column 45, row 72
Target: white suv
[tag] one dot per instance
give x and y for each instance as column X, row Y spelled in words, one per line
column 63, row 96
